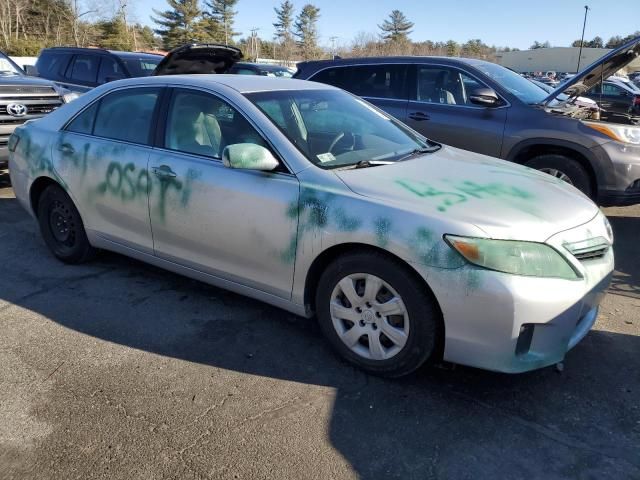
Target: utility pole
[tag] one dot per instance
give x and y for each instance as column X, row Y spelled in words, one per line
column 254, row 43
column 586, row 10
column 333, row 46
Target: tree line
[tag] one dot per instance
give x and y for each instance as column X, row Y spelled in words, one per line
column 27, row 26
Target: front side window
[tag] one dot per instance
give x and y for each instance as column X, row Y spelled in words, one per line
column 612, row 90
column 126, row 115
column 202, row 124
column 52, row 64
column 110, row 70
column 334, row 129
column 84, row 68
column 445, row 85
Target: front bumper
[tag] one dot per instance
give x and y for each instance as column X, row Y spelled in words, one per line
column 623, row 183
column 510, row 323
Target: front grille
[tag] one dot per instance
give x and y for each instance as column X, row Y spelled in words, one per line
column 33, row 109
column 19, row 89
column 590, row 249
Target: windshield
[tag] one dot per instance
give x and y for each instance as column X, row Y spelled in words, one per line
column 514, row 83
column 7, row 67
column 142, row 66
column 335, row 129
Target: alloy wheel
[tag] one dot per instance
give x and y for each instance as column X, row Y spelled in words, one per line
column 554, row 172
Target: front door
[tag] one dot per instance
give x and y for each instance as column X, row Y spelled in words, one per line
column 441, row 110
column 235, row 224
column 102, row 156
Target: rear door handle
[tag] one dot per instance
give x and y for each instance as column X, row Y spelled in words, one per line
column 419, row 116
column 66, row 148
column 164, row 171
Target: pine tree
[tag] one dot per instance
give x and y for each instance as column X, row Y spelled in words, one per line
column 307, row 31
column 180, row 24
column 397, row 28
column 284, row 28
column 222, row 13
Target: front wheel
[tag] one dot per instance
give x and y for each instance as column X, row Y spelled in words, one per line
column 376, row 315
column 61, row 226
column 564, row 168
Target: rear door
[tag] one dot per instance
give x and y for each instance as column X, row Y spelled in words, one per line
column 82, row 73
column 440, row 109
column 384, row 85
column 102, row 156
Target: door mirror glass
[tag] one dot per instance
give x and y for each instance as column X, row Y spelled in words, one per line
column 248, row 156
column 485, row 97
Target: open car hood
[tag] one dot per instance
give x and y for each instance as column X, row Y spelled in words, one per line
column 198, row 58
column 598, row 70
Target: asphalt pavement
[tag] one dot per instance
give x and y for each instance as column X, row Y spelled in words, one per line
column 118, row 370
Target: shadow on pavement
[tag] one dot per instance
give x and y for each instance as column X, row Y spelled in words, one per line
column 439, row 423
column 626, row 280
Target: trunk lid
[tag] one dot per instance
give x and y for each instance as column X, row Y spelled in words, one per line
column 198, row 58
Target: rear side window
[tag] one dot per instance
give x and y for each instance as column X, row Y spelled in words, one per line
column 126, row 115
column 52, row 64
column 84, row 68
column 83, row 123
column 337, row 77
column 379, row 81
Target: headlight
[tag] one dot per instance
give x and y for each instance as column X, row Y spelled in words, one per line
column 515, row 257
column 70, row 97
column 620, row 133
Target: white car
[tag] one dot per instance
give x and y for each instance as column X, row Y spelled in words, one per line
column 311, row 199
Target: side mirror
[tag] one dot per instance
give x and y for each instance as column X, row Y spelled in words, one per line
column 31, row 70
column 248, row 156
column 486, row 97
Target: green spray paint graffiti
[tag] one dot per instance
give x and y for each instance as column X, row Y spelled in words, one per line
column 382, row 227
column 315, row 210
column 129, row 183
column 462, row 192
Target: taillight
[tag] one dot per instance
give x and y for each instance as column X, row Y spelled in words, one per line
column 636, row 101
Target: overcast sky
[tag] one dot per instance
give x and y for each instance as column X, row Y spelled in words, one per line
column 513, row 23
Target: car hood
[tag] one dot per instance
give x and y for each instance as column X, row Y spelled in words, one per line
column 198, row 58
column 503, row 199
column 25, row 80
column 598, row 70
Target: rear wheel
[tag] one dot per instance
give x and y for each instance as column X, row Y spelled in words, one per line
column 564, row 168
column 376, row 315
column 61, row 226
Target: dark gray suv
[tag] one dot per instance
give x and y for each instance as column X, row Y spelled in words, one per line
column 489, row 109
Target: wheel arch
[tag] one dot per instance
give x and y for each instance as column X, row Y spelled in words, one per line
column 528, row 149
column 35, row 191
column 332, row 253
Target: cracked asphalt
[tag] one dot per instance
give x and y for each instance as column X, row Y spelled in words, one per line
column 115, row 369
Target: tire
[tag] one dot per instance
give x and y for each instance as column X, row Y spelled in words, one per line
column 564, row 168
column 62, row 227
column 419, row 327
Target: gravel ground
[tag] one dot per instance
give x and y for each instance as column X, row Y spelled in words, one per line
column 115, row 369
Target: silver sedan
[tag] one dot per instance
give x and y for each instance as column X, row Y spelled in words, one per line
column 310, row 199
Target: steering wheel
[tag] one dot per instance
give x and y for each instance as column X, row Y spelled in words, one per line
column 339, row 137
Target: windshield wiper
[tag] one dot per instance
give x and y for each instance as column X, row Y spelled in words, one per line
column 420, row 151
column 371, row 163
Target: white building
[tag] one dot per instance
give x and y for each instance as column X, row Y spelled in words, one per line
column 557, row 59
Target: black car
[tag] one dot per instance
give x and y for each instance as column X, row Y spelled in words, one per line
column 616, row 96
column 81, row 69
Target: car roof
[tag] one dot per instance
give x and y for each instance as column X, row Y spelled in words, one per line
column 396, row 59
column 119, row 53
column 240, row 83
column 136, row 54
column 263, row 66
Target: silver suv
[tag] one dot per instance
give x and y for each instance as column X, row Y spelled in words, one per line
column 486, row 108
column 23, row 98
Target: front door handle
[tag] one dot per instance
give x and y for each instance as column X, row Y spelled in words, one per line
column 419, row 116
column 164, row 171
column 66, row 148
